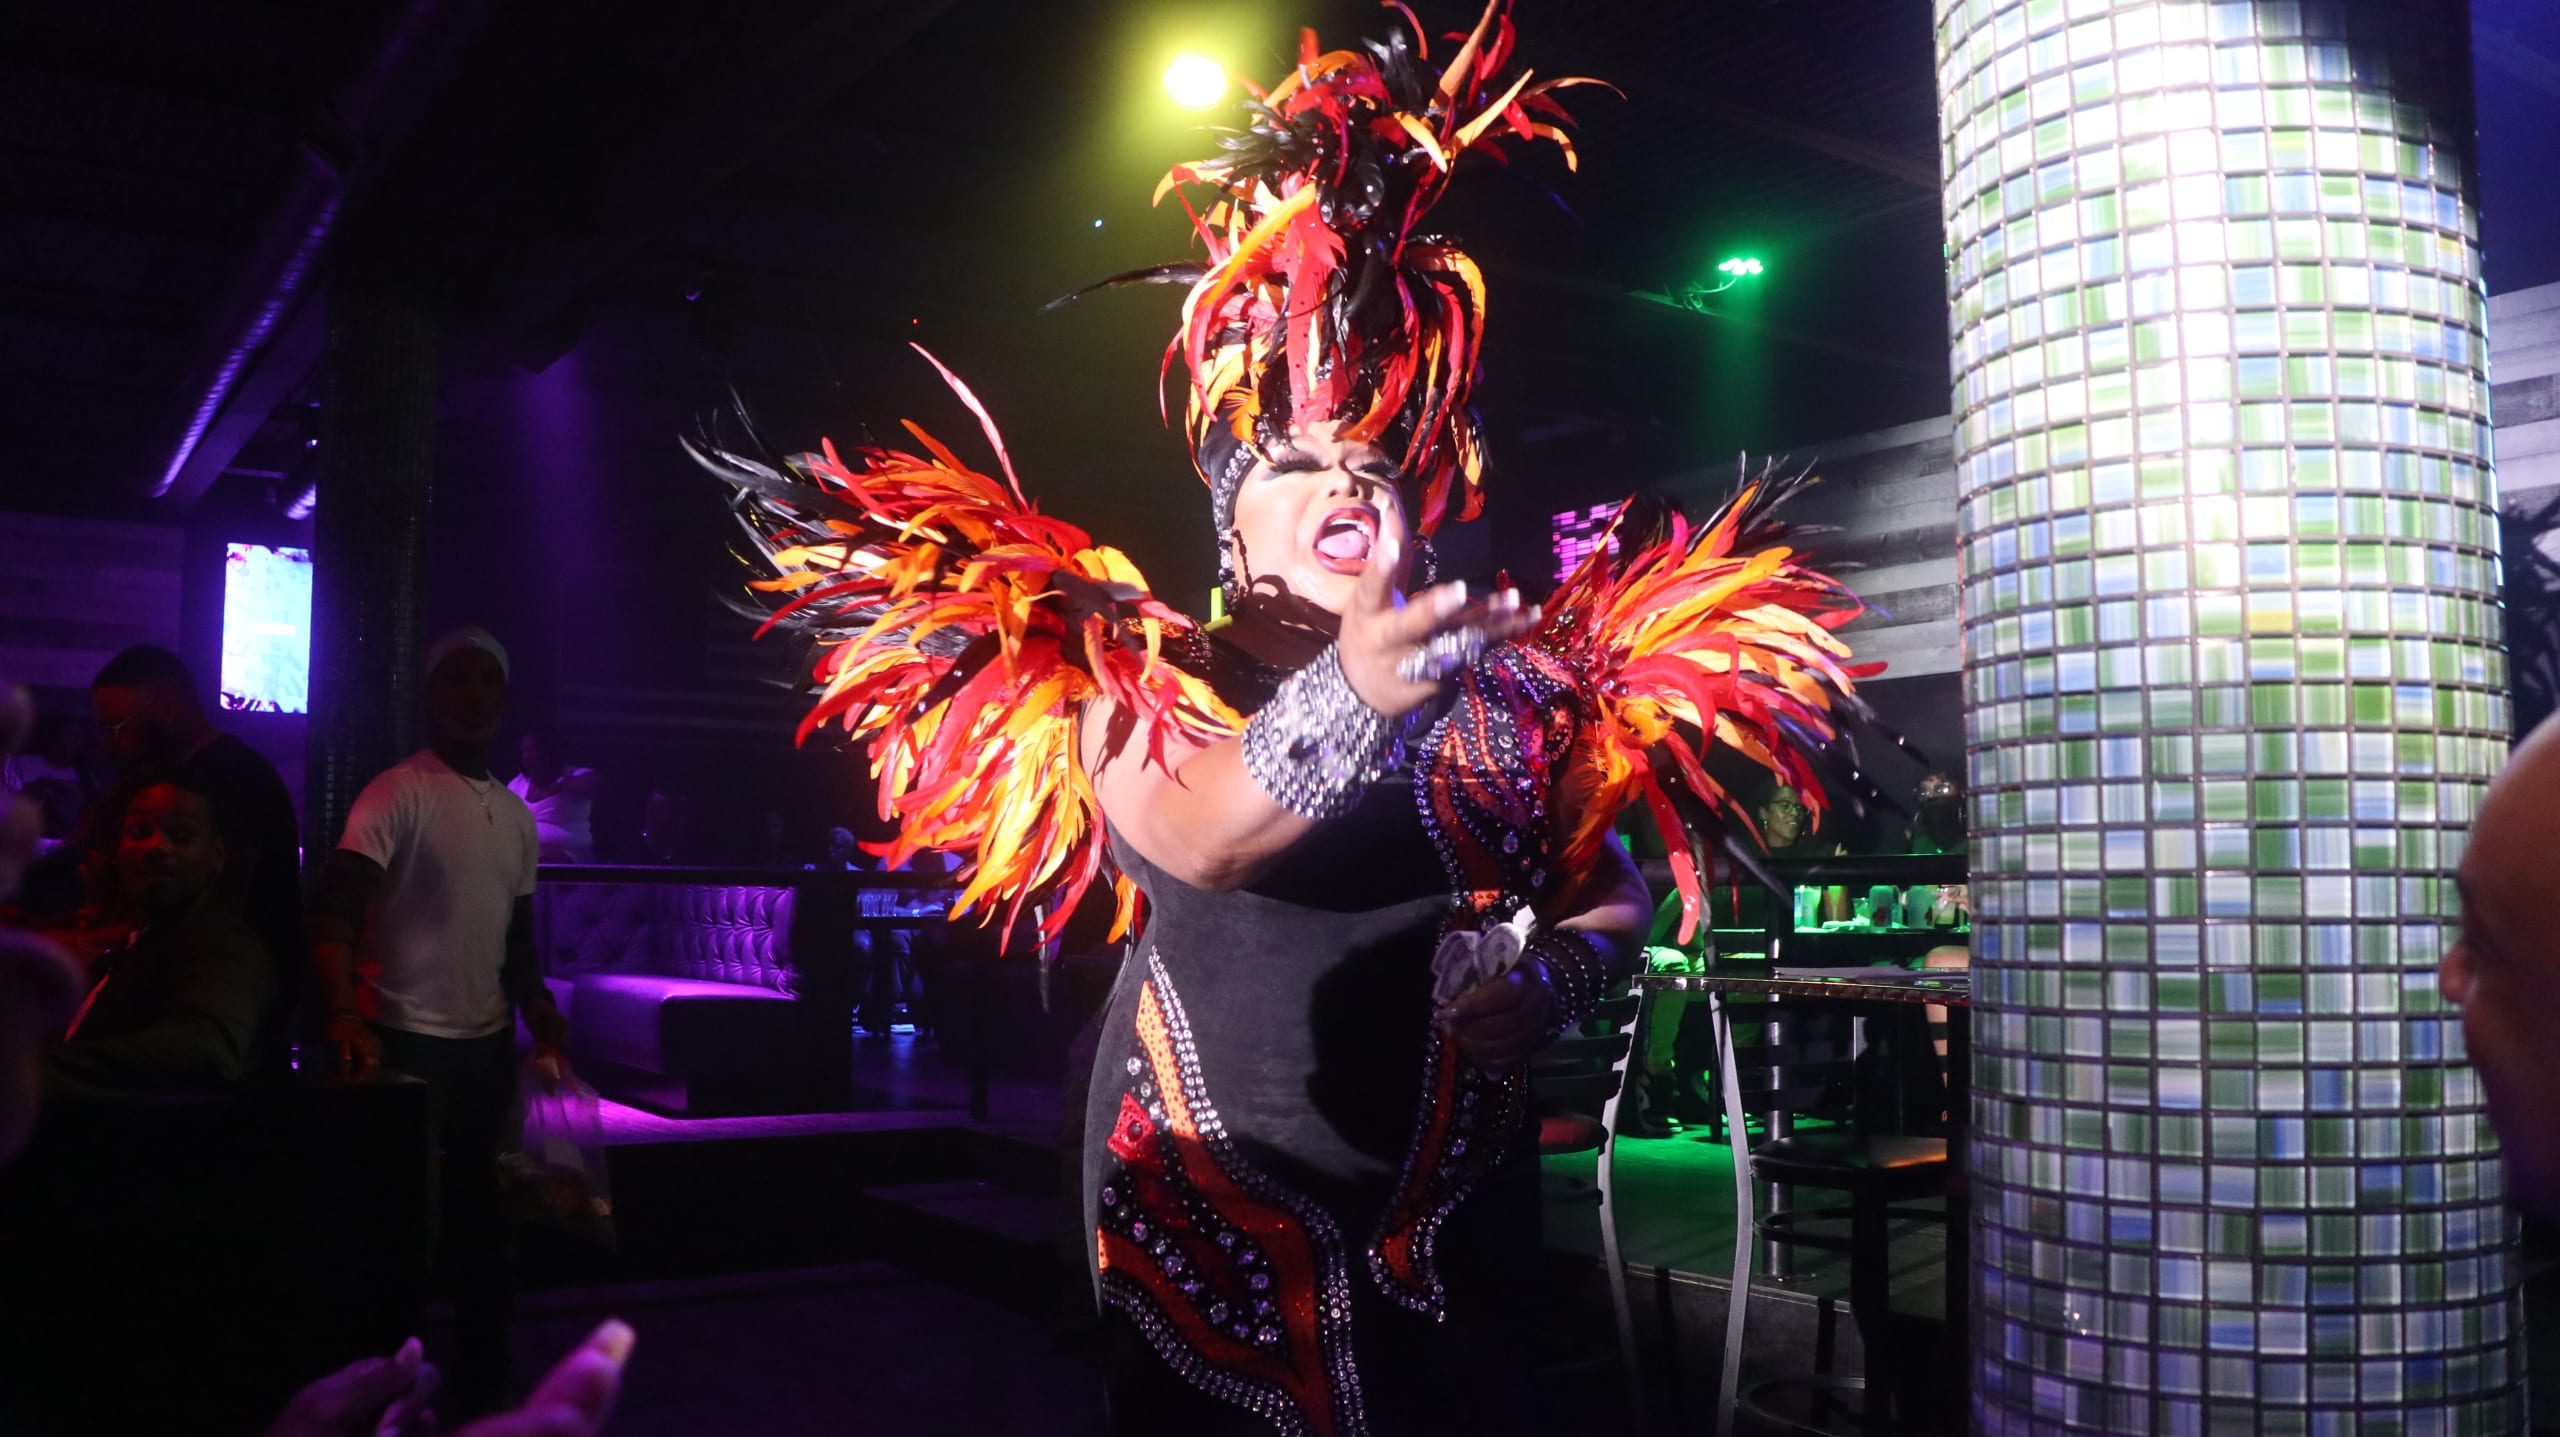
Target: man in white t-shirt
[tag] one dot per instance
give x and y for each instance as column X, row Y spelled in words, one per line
column 429, row 898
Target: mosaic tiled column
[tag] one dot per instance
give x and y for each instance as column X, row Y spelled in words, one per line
column 2234, row 686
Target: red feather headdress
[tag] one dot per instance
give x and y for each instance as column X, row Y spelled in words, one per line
column 1319, row 300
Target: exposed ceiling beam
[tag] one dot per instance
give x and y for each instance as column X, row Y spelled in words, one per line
column 270, row 378
column 419, row 45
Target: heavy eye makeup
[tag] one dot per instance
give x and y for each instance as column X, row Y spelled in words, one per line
column 1289, row 461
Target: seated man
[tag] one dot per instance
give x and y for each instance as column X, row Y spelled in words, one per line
column 1676, row 1067
column 185, row 1006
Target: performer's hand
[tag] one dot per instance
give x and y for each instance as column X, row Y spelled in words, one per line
column 1382, row 633
column 1498, row 1023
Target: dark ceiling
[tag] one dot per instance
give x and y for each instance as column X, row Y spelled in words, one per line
column 781, row 193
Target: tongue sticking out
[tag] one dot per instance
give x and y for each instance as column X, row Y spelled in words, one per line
column 1348, row 543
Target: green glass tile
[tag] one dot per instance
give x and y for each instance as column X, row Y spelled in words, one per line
column 2217, row 566
column 2276, row 799
column 2274, row 752
column 2164, row 571
column 2277, row 848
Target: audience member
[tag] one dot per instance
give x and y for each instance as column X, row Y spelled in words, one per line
column 388, row 1396
column 39, row 984
column 154, row 720
column 58, row 784
column 1675, row 1084
column 2503, row 971
column 185, row 1007
column 562, row 797
column 888, row 960
column 379, row 1397
column 844, row 853
column 1938, row 823
column 664, row 821
column 432, row 886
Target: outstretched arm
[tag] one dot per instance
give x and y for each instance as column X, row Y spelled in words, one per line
column 1208, row 823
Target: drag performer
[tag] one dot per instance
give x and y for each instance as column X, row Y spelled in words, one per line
column 1369, row 818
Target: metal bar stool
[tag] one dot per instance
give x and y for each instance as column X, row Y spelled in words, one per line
column 1577, row 1083
column 1787, row 1069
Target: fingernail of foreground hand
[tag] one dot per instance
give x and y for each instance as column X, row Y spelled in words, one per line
column 614, row 1338
column 411, row 1353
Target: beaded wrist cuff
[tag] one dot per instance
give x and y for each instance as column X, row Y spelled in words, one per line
column 1578, row 973
column 1316, row 746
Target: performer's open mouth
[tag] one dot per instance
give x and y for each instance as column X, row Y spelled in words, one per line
column 1346, row 539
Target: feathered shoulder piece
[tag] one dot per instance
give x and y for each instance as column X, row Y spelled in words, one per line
column 1709, row 635
column 960, row 631
column 1320, row 297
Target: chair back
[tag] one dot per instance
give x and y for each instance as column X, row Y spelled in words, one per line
column 1585, row 1071
column 1786, row 1056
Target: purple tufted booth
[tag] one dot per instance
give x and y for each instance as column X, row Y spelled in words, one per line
column 686, row 997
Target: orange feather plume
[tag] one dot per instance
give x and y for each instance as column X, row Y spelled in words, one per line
column 1704, row 637
column 961, row 632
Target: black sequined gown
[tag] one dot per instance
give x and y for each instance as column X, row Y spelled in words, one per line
column 1256, row 1102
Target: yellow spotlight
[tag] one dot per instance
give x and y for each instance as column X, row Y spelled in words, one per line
column 1195, row 81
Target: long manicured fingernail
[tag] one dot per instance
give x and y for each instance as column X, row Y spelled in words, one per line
column 1453, row 598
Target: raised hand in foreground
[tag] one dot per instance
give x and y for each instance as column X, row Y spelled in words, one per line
column 388, row 1396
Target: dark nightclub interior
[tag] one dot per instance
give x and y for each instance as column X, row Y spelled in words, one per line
column 2180, row 386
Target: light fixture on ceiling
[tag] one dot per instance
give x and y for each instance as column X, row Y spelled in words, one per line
column 1195, row 81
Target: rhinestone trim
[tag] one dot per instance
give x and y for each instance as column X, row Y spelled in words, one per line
column 1242, row 1286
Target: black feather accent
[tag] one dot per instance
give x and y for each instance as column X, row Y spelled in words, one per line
column 980, row 652
column 1184, row 272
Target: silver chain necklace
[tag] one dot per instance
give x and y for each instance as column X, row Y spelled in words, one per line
column 480, row 790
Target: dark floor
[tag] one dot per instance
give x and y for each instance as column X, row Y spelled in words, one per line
column 899, row 1270
column 872, row 1270
column 861, row 1348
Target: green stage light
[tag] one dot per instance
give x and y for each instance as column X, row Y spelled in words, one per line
column 1694, row 295
column 1195, row 81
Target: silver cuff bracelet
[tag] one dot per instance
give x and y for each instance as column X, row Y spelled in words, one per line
column 1315, row 747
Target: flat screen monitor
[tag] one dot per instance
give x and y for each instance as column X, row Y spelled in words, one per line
column 266, row 629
